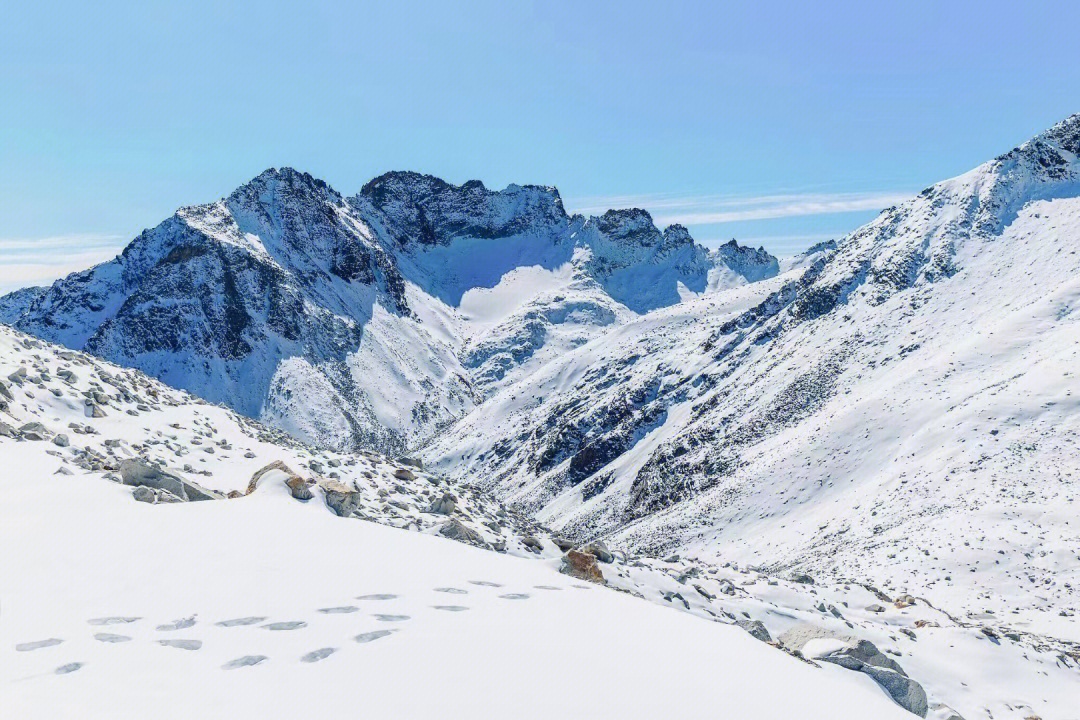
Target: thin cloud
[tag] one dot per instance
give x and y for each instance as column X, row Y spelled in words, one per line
column 25, row 262
column 718, row 209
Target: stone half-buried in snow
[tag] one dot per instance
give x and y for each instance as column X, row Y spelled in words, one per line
column 136, row 472
column 581, row 565
column 454, row 529
column 298, row 486
column 861, row 656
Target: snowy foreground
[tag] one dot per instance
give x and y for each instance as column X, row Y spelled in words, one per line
column 259, row 604
column 264, row 606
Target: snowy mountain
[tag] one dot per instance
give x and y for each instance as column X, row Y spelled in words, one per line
column 376, row 320
column 898, row 410
column 165, row 543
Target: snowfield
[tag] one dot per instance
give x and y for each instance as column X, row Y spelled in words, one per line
column 261, row 605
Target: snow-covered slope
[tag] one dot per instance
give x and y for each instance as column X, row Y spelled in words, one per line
column 900, row 410
column 257, row 604
column 376, row 320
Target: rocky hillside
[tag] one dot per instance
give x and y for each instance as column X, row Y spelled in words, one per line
column 376, row 320
column 899, row 409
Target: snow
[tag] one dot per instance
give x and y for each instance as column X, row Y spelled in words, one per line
column 135, row 594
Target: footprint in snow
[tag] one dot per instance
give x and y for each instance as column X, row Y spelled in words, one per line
column 114, row 620
column 547, row 587
column 290, row 625
column 246, row 661
column 37, row 644
column 317, row 655
column 181, row 624
column 452, row 591
column 377, row 596
column 370, row 636
column 451, row 608
column 391, row 618
column 339, row 610
column 110, row 638
column 69, row 668
column 515, row 596
column 238, row 622
column 182, row 644
column 485, row 583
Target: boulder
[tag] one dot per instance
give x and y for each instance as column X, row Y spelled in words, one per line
column 756, row 628
column 341, row 498
column 861, row 656
column 137, row 472
column 144, row 494
column 562, row 543
column 598, row 550
column 412, row 462
column 61, row 440
column 34, row 431
column 7, row 431
column 5, row 391
column 455, row 530
column 298, row 487
column 532, row 544
column 444, row 505
column 582, row 566
column 404, row 474
column 726, row 586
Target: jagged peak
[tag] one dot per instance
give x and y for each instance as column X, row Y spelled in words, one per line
column 415, row 186
column 677, row 234
column 283, row 181
column 626, row 221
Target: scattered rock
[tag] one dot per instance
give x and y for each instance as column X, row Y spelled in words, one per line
column 412, row 462
column 404, row 474
column 34, row 431
column 445, row 505
column 598, row 550
column 582, row 566
column 756, row 628
column 455, row 530
column 61, row 440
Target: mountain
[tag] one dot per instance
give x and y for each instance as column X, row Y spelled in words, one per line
column 376, row 320
column 164, row 542
column 900, row 409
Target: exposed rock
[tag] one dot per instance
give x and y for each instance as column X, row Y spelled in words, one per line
column 34, row 431
column 726, row 586
column 598, row 550
column 144, row 494
column 532, row 544
column 298, row 487
column 61, row 440
column 861, row 656
column 412, row 462
column 756, row 628
column 7, row 431
column 562, row 543
column 444, row 505
column 802, row 578
column 404, row 474
column 582, row 566
column 341, row 498
column 136, row 472
column 455, row 530
column 875, row 608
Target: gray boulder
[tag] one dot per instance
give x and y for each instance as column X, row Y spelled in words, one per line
column 455, row 530
column 7, row 431
column 863, row 656
column 34, row 431
column 598, row 550
column 136, row 472
column 756, row 628
column 444, row 505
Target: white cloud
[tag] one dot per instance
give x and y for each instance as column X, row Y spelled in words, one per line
column 39, row 261
column 718, row 209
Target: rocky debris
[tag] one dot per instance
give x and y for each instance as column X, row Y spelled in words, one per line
column 875, row 608
column 802, row 578
column 412, row 462
column 341, row 498
column 581, row 565
column 8, row 431
column 136, row 472
column 444, row 505
column 562, row 543
column 61, row 440
column 34, row 431
column 404, row 474
column 598, row 550
column 532, row 544
column 904, row 601
column 726, row 586
column 756, row 628
column 861, row 656
column 298, row 486
column 455, row 530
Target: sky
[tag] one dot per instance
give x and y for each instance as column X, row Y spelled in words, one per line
column 777, row 123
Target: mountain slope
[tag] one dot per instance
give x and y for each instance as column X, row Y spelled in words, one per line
column 376, row 320
column 898, row 410
column 268, row 603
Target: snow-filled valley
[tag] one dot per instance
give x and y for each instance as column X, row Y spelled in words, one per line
column 836, row 485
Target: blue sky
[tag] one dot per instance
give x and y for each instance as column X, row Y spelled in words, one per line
column 776, row 123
